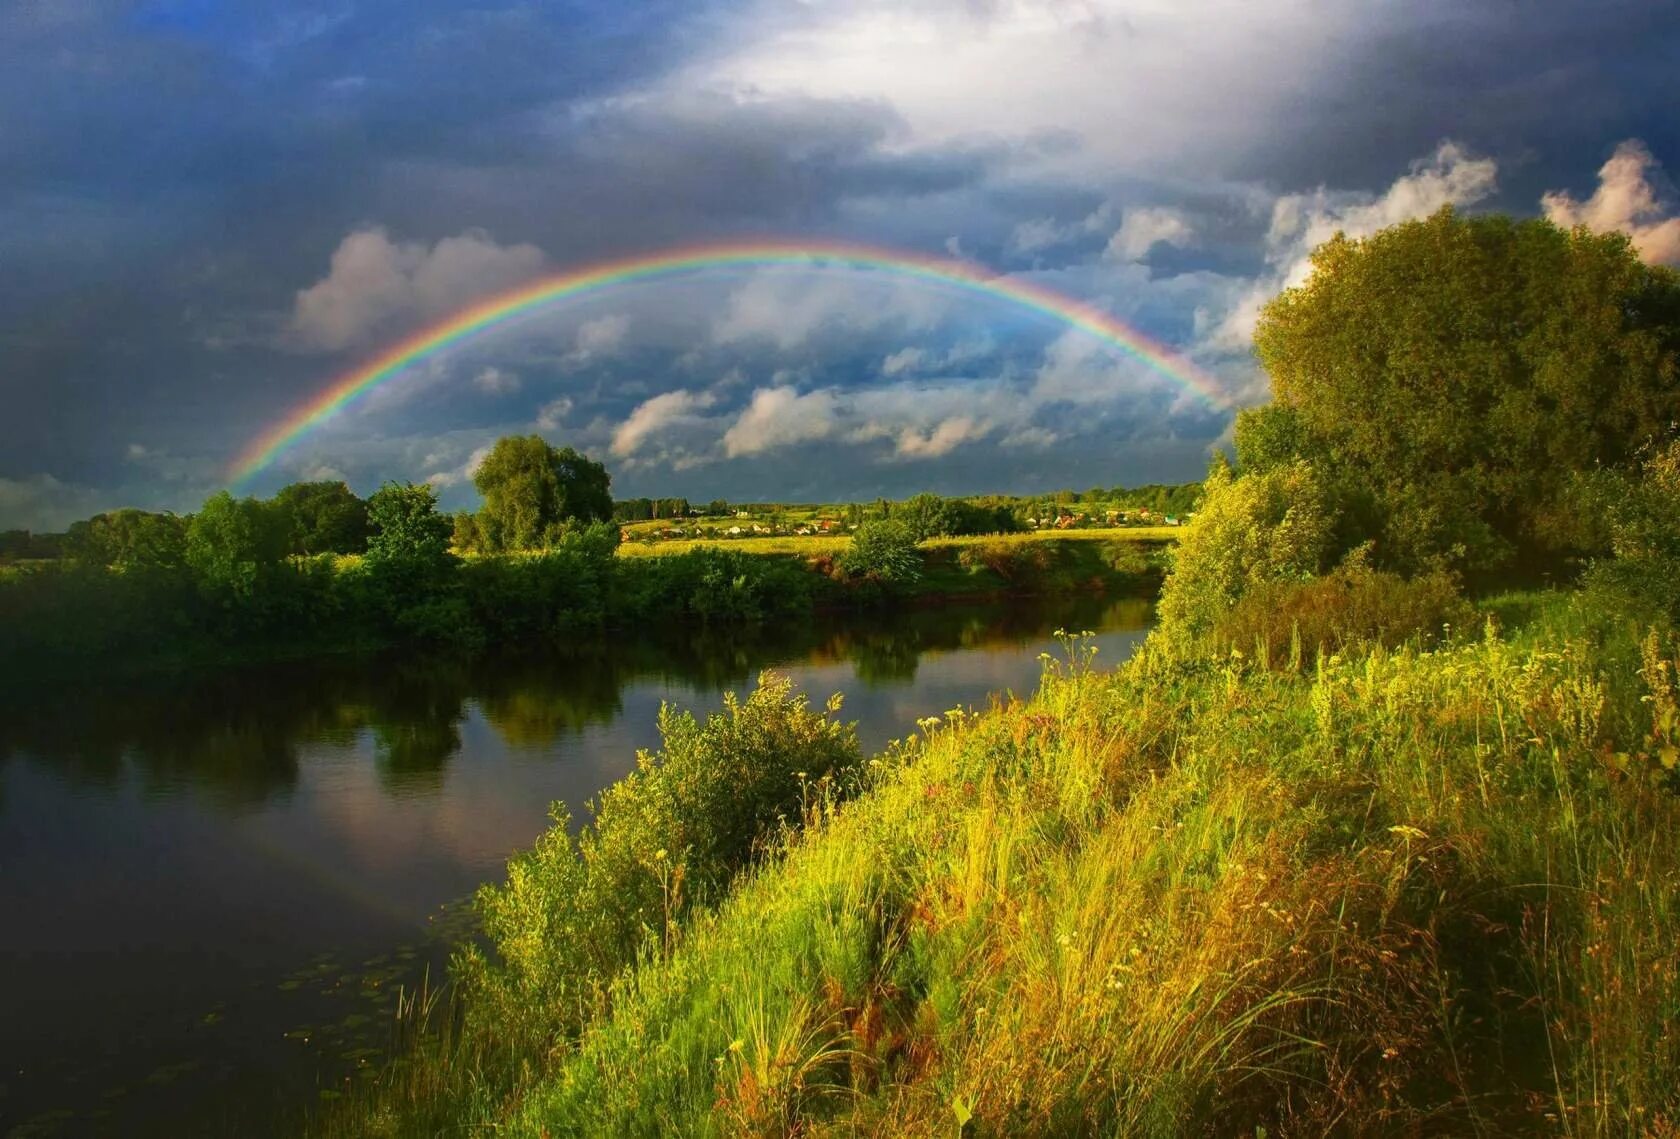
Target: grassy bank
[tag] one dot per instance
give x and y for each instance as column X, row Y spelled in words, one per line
column 1402, row 891
column 65, row 619
column 825, row 545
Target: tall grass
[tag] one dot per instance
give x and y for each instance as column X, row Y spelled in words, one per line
column 1403, row 891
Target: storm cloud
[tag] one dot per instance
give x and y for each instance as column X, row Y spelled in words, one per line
column 208, row 212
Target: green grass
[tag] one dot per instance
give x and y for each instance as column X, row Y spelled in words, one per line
column 1403, row 892
column 819, row 544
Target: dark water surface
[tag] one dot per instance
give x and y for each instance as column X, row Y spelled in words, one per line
column 212, row 888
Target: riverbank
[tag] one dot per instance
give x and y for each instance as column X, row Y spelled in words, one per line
column 1403, row 889
column 300, row 824
column 64, row 620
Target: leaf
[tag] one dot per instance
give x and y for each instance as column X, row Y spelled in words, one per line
column 962, row 1109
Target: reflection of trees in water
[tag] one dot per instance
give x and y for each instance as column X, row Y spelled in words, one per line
column 415, row 715
column 231, row 736
column 236, row 737
column 534, row 703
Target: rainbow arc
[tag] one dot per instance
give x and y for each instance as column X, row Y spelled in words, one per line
column 482, row 317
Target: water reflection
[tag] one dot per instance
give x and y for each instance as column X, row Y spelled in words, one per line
column 176, row 854
column 235, row 737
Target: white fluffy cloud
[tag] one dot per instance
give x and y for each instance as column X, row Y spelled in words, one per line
column 656, row 416
column 904, row 360
column 375, row 285
column 553, row 413
column 1132, row 87
column 788, row 306
column 779, row 417
column 1301, row 222
column 455, row 475
column 941, row 439
column 1144, row 228
column 1625, row 201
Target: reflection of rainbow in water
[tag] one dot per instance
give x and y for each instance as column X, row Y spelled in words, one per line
column 687, row 260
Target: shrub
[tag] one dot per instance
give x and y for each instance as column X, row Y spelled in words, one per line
column 884, row 550
column 1269, row 526
column 670, row 835
column 1293, row 622
column 1642, row 517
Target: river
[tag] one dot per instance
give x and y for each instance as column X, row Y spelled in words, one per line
column 213, row 887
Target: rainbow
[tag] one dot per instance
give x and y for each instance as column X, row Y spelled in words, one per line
column 489, row 314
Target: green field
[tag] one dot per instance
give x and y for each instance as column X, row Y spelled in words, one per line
column 817, row 545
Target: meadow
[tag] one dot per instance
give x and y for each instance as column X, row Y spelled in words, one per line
column 1403, row 888
column 817, row 545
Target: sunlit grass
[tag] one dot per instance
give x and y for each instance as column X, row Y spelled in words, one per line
column 819, row 544
column 1404, row 891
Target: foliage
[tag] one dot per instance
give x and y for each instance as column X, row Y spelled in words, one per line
column 1292, row 623
column 532, row 490
column 545, row 594
column 1408, row 892
column 234, row 544
column 20, row 544
column 465, row 537
column 1449, row 377
column 883, row 550
column 930, row 516
column 643, row 509
column 1265, row 527
column 130, row 540
column 323, row 518
column 668, row 837
column 1641, row 514
column 407, row 529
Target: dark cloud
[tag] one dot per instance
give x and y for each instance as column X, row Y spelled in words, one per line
column 174, row 173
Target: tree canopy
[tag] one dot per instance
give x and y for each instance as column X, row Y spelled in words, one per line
column 130, row 540
column 1450, row 377
column 408, row 531
column 232, row 542
column 323, row 518
column 532, row 490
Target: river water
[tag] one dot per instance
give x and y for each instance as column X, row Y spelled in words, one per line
column 212, row 888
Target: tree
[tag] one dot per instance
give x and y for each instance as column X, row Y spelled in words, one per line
column 884, row 549
column 928, row 516
column 1268, row 527
column 1448, row 378
column 130, row 540
column 407, row 530
column 466, row 538
column 232, row 543
column 531, row 490
column 323, row 518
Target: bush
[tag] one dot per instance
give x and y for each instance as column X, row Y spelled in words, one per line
column 1642, row 517
column 1270, row 526
column 667, row 837
column 884, row 550
column 1294, row 622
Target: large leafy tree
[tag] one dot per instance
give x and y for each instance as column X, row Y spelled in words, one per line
column 323, row 518
column 1450, row 377
column 532, row 490
column 130, row 540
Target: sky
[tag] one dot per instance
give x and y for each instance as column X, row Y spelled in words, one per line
column 209, row 211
